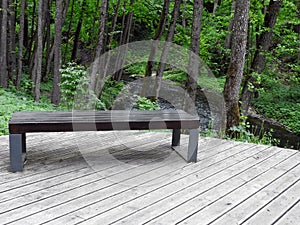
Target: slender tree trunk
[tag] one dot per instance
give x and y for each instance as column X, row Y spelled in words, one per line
column 169, row 39
column 193, row 66
column 77, row 33
column 57, row 52
column 94, row 35
column 159, row 32
column 263, row 45
column 68, row 33
column 96, row 82
column 165, row 51
column 184, row 14
column 3, row 46
column 216, row 2
column 21, row 43
column 227, row 44
column 12, row 40
column 39, row 53
column 32, row 38
column 114, row 23
column 124, row 40
column 47, row 40
column 26, row 27
column 235, row 70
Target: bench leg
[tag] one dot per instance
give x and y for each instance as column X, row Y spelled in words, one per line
column 17, row 147
column 176, row 137
column 193, row 145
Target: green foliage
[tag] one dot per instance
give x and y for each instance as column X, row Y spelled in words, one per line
column 111, row 90
column 281, row 103
column 73, row 80
column 12, row 101
column 246, row 135
column 136, row 68
column 143, row 103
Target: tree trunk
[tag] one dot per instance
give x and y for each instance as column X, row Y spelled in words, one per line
column 57, row 52
column 77, row 33
column 235, row 70
column 47, row 41
column 114, row 23
column 227, row 44
column 12, row 40
column 184, row 14
column 68, row 33
column 263, row 45
column 216, row 2
column 94, row 80
column 124, row 40
column 39, row 53
column 171, row 32
column 21, row 43
column 159, row 32
column 193, row 66
column 29, row 51
column 3, row 46
column 165, row 51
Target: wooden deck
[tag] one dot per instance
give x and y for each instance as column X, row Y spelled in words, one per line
column 135, row 178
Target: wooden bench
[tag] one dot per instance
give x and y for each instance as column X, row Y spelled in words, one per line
column 28, row 122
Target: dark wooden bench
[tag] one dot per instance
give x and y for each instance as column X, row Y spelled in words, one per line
column 28, row 122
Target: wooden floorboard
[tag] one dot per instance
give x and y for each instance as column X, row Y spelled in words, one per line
column 136, row 178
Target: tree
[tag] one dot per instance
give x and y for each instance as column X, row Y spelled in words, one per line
column 37, row 71
column 227, row 44
column 77, row 32
column 193, row 66
column 166, row 48
column 57, row 52
column 124, row 39
column 21, row 43
column 157, row 36
column 99, row 49
column 236, row 66
column 3, row 46
column 264, row 43
column 11, row 44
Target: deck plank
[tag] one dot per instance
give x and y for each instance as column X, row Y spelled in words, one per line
column 134, row 177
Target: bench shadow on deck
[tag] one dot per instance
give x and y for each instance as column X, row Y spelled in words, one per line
column 136, row 178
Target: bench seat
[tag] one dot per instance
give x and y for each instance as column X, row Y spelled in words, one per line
column 64, row 121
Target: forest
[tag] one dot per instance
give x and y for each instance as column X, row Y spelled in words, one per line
column 251, row 47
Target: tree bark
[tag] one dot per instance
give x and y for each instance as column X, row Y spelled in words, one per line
column 124, row 40
column 29, row 51
column 165, row 51
column 227, row 44
column 263, row 45
column 68, row 32
column 39, row 53
column 94, row 80
column 12, row 40
column 57, row 52
column 3, row 46
column 193, row 66
column 21, row 43
column 170, row 37
column 77, row 33
column 235, row 70
column 114, row 23
column 216, row 2
column 157, row 36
